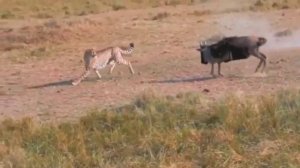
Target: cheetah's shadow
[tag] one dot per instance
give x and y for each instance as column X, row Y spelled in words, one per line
column 52, row 84
column 182, row 80
column 69, row 82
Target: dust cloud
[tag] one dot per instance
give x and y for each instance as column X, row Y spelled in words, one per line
column 243, row 25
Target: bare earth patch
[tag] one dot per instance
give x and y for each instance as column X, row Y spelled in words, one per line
column 165, row 61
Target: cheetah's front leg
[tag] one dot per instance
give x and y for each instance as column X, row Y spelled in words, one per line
column 98, row 74
column 113, row 64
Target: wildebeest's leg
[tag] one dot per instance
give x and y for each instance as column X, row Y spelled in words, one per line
column 265, row 58
column 219, row 69
column 212, row 69
column 258, row 66
column 260, row 56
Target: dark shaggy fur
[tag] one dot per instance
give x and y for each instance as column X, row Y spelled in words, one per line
column 233, row 48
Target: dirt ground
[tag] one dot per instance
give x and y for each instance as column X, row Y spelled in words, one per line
column 165, row 61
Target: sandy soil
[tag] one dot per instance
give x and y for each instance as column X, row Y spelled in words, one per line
column 165, row 61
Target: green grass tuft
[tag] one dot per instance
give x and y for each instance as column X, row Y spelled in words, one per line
column 154, row 131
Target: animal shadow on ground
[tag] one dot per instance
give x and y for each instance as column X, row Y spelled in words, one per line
column 68, row 82
column 59, row 83
column 247, row 76
column 183, row 80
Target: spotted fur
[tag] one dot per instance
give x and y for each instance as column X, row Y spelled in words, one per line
column 95, row 60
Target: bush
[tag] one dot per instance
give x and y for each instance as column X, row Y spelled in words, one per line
column 154, row 131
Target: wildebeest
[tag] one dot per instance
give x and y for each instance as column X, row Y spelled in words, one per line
column 232, row 48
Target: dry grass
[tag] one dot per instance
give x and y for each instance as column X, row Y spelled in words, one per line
column 160, row 16
column 50, row 31
column 201, row 13
column 275, row 4
column 42, row 40
column 19, row 9
column 35, row 40
column 153, row 131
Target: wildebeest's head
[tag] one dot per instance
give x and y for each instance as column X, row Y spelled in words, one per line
column 215, row 46
column 203, row 46
column 204, row 50
column 261, row 41
column 217, row 50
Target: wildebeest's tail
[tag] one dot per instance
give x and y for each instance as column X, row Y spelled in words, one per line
column 261, row 41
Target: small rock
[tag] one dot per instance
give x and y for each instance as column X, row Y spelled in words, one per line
column 59, row 91
column 282, row 60
column 206, row 90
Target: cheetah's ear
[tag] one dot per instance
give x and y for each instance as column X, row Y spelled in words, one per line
column 131, row 45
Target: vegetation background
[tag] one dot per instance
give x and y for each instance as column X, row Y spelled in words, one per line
column 155, row 131
column 20, row 9
column 183, row 130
